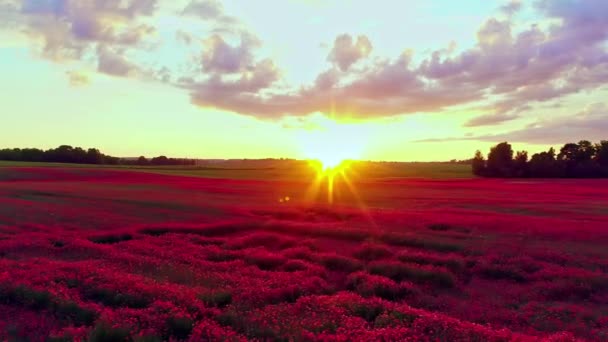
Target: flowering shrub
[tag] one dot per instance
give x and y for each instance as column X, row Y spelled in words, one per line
column 369, row 285
column 369, row 252
column 138, row 257
column 418, row 274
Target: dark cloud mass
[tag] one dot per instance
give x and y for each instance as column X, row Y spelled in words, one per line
column 77, row 79
column 392, row 81
column 219, row 56
column 346, row 52
column 531, row 66
column 590, row 124
column 511, row 7
column 113, row 63
column 509, row 71
column 68, row 28
column 490, row 119
column 209, row 9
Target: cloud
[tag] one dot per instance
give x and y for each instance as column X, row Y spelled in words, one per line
column 590, row 124
column 112, row 63
column 184, row 37
column 219, row 91
column 346, row 52
column 390, row 88
column 8, row 13
column 511, row 7
column 78, row 79
column 212, row 11
column 534, row 65
column 219, row 56
column 490, row 119
column 69, row 28
column 67, row 8
column 507, row 71
column 209, row 9
column 510, row 71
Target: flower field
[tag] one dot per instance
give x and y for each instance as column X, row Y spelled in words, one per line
column 102, row 255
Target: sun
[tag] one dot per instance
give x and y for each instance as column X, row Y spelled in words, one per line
column 331, row 162
column 332, row 145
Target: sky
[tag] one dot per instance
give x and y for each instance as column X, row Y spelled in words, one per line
column 416, row 80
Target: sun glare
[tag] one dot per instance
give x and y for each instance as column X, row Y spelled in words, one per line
column 331, row 147
column 331, row 162
column 332, row 144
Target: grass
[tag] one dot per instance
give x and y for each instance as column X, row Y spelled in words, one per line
column 72, row 312
column 340, row 263
column 25, row 296
column 111, row 238
column 416, row 242
column 116, row 299
column 394, row 318
column 106, row 333
column 370, row 252
column 442, row 227
column 42, row 300
column 367, row 312
column 373, row 285
column 276, row 169
column 179, row 327
column 453, row 263
column 265, row 261
column 270, row 241
column 399, row 271
column 218, row 299
column 295, row 265
column 500, row 272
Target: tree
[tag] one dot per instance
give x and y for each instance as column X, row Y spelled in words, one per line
column 94, row 156
column 142, row 161
column 479, row 164
column 567, row 154
column 551, row 153
column 544, row 165
column 520, row 164
column 585, row 152
column 581, row 160
column 500, row 160
column 69, row 154
column 577, row 159
column 160, row 160
column 110, row 160
column 601, row 153
column 78, row 155
column 62, row 154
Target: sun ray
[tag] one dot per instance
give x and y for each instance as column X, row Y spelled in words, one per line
column 360, row 203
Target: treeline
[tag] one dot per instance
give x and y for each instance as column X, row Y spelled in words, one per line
column 78, row 155
column 582, row 160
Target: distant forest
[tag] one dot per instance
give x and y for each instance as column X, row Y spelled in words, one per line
column 78, row 155
column 582, row 160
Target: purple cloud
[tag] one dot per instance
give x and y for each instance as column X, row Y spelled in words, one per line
column 531, row 66
column 509, row 70
column 490, row 119
column 219, row 56
column 113, row 63
column 78, row 79
column 346, row 52
column 590, row 124
column 207, row 9
column 69, row 28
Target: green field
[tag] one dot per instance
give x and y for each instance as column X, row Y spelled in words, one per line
column 281, row 169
